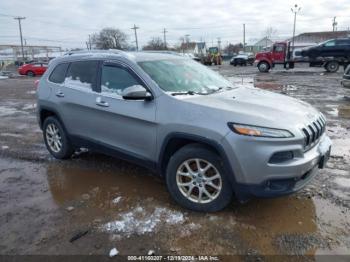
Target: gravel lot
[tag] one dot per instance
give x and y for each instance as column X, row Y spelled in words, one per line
column 110, row 203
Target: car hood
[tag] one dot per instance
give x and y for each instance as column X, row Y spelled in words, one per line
column 257, row 107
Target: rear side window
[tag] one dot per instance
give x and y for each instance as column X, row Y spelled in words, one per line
column 116, row 79
column 343, row 42
column 58, row 74
column 82, row 74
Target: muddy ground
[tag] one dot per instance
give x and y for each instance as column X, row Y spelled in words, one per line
column 45, row 202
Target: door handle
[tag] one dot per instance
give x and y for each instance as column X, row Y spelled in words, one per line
column 59, row 94
column 100, row 102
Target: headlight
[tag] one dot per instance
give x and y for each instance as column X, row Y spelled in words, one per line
column 259, row 131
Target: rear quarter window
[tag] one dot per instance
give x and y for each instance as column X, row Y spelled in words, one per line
column 82, row 74
column 59, row 73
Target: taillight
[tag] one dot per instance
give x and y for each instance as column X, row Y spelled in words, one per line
column 36, row 83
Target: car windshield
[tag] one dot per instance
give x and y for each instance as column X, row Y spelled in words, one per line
column 184, row 75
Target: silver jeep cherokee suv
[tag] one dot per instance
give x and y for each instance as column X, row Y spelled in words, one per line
column 208, row 138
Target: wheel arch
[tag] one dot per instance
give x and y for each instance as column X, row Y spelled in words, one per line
column 45, row 112
column 174, row 141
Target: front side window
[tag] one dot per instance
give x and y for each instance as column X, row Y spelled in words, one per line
column 115, row 79
column 184, row 75
column 279, row 48
column 82, row 74
column 58, row 74
column 330, row 43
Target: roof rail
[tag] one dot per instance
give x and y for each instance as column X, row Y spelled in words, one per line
column 94, row 51
column 162, row 52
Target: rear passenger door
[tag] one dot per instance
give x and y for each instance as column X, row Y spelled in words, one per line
column 75, row 98
column 126, row 125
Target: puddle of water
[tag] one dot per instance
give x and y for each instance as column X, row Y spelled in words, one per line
column 242, row 81
column 344, row 111
column 120, row 201
column 100, row 187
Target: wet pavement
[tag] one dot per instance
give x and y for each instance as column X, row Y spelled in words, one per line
column 110, row 203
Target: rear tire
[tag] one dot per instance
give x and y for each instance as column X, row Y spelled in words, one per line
column 332, row 66
column 30, row 73
column 194, row 188
column 56, row 139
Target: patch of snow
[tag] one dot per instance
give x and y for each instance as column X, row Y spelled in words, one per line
column 341, row 147
column 116, row 200
column 33, row 92
column 113, row 252
column 139, row 222
column 3, row 77
column 5, row 147
column 7, row 111
column 29, row 107
column 342, row 182
column 77, row 84
column 10, row 134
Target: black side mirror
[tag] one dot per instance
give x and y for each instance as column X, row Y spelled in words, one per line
column 136, row 92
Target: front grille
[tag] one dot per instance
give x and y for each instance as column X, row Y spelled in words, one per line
column 313, row 131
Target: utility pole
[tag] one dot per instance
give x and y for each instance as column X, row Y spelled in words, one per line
column 334, row 24
column 243, row 37
column 164, row 37
column 219, row 44
column 89, row 46
column 137, row 44
column 19, row 18
column 294, row 10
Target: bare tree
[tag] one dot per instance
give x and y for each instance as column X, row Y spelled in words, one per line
column 155, row 43
column 270, row 32
column 233, row 49
column 109, row 38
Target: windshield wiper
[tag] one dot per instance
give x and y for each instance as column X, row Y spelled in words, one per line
column 183, row 93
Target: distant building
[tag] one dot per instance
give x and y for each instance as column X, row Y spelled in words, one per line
column 11, row 53
column 259, row 45
column 193, row 48
column 317, row 37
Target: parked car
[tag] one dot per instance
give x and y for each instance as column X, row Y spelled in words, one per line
column 32, row 69
column 242, row 60
column 346, row 77
column 331, row 48
column 209, row 139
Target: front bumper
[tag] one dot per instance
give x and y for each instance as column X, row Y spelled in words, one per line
column 255, row 176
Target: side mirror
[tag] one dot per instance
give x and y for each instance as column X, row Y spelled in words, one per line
column 136, row 92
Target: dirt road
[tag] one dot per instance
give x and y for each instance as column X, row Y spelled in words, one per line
column 44, row 202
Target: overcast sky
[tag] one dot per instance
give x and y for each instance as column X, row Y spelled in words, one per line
column 68, row 23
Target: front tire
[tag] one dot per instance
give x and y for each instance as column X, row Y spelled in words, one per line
column 56, row 139
column 263, row 67
column 197, row 180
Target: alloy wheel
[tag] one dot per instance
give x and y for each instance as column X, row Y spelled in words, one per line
column 53, row 138
column 198, row 180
